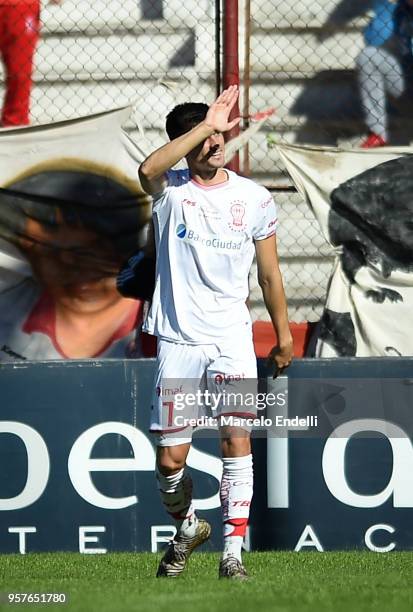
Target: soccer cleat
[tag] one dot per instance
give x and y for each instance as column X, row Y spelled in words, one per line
column 232, row 568
column 180, row 548
column 372, row 141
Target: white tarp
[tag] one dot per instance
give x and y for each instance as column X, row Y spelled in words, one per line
column 363, row 201
column 71, row 212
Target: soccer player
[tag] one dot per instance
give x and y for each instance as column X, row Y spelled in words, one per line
column 207, row 221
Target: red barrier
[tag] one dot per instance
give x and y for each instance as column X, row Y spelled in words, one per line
column 265, row 338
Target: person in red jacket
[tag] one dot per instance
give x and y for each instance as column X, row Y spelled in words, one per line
column 19, row 33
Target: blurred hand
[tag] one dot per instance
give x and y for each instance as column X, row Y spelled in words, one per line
column 55, row 2
column 280, row 357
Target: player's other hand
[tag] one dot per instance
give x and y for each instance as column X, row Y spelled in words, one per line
column 280, row 357
column 55, row 1
column 217, row 117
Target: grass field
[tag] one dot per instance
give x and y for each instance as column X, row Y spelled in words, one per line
column 280, row 581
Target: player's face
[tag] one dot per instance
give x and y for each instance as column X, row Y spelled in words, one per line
column 209, row 155
column 73, row 264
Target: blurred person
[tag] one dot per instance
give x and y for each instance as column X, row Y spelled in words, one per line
column 74, row 229
column 208, row 223
column 385, row 65
column 19, row 34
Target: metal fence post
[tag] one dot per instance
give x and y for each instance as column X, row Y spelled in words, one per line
column 231, row 64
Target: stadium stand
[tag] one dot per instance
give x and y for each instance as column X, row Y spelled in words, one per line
column 105, row 54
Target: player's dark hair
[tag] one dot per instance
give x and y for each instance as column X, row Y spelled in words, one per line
column 184, row 117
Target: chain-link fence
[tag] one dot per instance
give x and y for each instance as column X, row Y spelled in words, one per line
column 308, row 59
column 298, row 57
column 338, row 72
column 93, row 56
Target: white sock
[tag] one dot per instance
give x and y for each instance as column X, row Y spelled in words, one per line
column 176, row 495
column 236, row 495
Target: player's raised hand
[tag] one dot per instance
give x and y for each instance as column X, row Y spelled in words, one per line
column 217, row 116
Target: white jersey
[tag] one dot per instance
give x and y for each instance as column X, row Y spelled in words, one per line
column 205, row 247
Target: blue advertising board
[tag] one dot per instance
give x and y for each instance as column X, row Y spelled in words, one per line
column 77, row 462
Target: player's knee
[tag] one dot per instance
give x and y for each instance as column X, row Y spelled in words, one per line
column 170, row 459
column 234, row 445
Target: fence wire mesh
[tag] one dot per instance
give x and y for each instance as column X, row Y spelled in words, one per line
column 335, row 70
column 156, row 53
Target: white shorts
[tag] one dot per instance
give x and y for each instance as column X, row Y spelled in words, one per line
column 194, row 384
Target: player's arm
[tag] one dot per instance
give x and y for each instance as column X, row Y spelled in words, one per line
column 152, row 170
column 270, row 281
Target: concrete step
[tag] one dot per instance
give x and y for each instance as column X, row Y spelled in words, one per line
column 286, row 53
column 85, row 34
column 301, row 53
column 270, row 14
column 296, row 102
column 146, row 55
column 156, row 42
column 328, row 96
column 104, row 16
column 107, row 16
column 151, row 99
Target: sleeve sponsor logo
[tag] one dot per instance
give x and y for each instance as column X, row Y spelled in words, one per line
column 267, row 202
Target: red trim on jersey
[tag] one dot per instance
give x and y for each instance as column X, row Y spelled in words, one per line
column 208, row 187
column 42, row 319
column 268, row 236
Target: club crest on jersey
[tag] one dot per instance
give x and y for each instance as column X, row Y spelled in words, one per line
column 237, row 210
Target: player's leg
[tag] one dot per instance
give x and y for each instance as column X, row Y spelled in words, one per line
column 18, row 50
column 235, row 372
column 175, row 487
column 179, row 369
column 236, row 494
column 378, row 72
